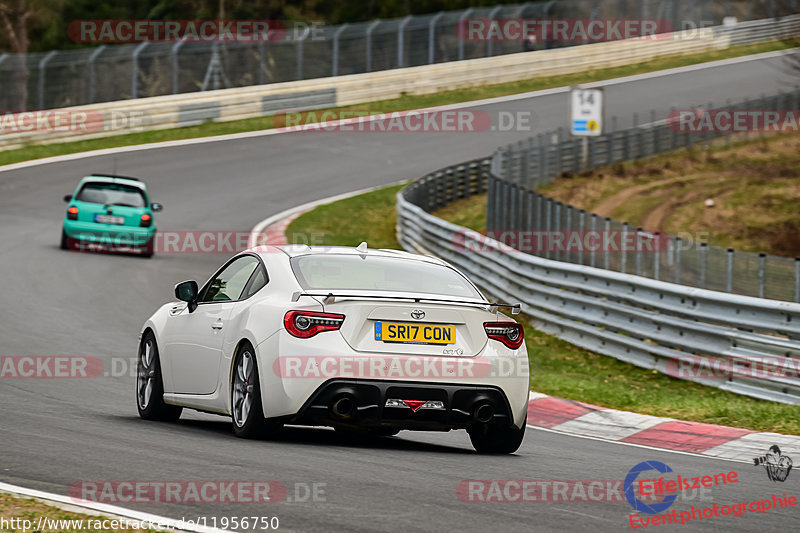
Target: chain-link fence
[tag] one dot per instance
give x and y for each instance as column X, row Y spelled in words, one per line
column 532, row 222
column 118, row 72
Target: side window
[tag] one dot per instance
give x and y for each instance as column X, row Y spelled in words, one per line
column 229, row 284
column 258, row 282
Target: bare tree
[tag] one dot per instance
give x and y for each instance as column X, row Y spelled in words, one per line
column 15, row 17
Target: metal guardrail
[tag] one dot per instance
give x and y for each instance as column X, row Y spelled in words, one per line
column 112, row 72
column 681, row 331
column 515, row 210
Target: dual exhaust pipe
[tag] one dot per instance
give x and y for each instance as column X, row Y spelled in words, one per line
column 483, row 412
column 344, row 407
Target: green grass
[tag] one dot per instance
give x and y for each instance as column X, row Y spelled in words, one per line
column 558, row 368
column 12, row 507
column 367, row 217
column 399, row 104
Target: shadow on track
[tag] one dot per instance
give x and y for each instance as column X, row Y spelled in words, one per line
column 296, row 435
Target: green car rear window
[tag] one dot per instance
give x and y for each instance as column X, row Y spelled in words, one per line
column 111, row 194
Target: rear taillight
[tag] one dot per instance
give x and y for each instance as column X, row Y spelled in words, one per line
column 72, row 213
column 509, row 333
column 146, row 220
column 306, row 324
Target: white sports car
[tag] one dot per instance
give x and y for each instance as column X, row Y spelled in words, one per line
column 372, row 341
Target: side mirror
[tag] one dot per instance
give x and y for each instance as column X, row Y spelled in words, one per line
column 68, row 198
column 186, row 291
column 156, row 207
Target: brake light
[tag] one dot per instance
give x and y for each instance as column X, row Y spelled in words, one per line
column 72, row 213
column 306, row 324
column 146, row 220
column 509, row 333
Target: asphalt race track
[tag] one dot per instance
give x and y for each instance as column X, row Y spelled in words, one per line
column 56, row 432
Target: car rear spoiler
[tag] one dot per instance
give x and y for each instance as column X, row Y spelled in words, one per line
column 330, row 297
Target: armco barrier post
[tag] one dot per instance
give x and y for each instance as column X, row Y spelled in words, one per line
column 677, row 259
column 638, row 251
column 797, row 279
column 90, row 64
column 461, row 20
column 432, row 37
column 42, row 70
column 135, row 69
column 557, row 226
column 762, row 260
column 581, row 228
column 657, row 256
column 335, row 59
column 368, row 45
column 401, row 30
column 548, row 224
column 529, row 196
column 703, row 263
column 489, row 42
column 176, row 49
column 592, row 251
column 729, row 268
column 299, row 46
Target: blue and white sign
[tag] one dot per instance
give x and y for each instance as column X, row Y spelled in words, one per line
column 586, row 111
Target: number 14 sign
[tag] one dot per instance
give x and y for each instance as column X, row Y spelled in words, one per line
column 586, row 110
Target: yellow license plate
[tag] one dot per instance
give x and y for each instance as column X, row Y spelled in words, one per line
column 415, row 333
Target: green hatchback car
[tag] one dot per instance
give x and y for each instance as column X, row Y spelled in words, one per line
column 110, row 213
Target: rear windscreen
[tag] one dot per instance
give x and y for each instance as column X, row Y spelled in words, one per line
column 111, row 194
column 354, row 272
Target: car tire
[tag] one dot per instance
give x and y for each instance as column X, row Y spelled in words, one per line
column 493, row 439
column 148, row 249
column 383, row 432
column 247, row 413
column 63, row 245
column 149, row 385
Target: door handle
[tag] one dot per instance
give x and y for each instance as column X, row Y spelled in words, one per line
column 217, row 324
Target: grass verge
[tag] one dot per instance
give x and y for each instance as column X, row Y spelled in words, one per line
column 753, row 184
column 399, row 104
column 58, row 520
column 559, row 368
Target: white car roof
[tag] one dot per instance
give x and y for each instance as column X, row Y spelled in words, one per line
column 130, row 182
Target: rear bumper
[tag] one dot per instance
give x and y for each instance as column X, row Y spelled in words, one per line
column 107, row 234
column 450, row 406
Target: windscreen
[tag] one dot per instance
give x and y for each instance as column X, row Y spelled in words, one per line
column 355, row 272
column 111, row 194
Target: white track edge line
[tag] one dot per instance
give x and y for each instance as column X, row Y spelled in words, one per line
column 49, row 497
